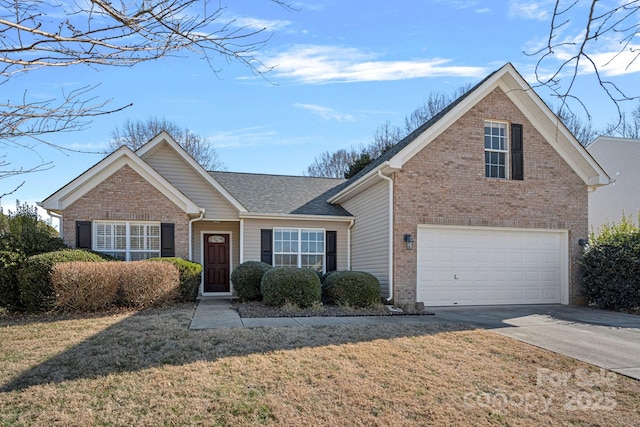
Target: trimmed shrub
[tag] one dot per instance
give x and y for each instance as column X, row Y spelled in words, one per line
column 299, row 286
column 146, row 284
column 611, row 267
column 246, row 279
column 90, row 286
column 85, row 286
column 351, row 288
column 34, row 277
column 10, row 263
column 190, row 277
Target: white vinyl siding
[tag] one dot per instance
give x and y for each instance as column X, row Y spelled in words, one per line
column 173, row 168
column 619, row 158
column 252, row 229
column 127, row 241
column 370, row 233
column 222, row 227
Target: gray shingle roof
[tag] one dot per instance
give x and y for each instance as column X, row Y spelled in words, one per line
column 280, row 194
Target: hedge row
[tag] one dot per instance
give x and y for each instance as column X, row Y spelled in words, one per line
column 254, row 280
column 91, row 286
column 190, row 277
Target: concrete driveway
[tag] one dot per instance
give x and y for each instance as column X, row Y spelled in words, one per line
column 602, row 338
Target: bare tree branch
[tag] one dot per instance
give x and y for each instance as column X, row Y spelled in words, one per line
column 52, row 33
column 606, row 24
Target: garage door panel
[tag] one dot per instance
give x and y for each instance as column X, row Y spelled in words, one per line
column 458, row 266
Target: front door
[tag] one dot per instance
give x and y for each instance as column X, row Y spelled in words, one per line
column 216, row 263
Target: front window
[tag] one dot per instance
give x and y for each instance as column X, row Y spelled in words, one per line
column 495, row 149
column 299, row 247
column 128, row 241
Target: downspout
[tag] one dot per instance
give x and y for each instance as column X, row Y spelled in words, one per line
column 191, row 233
column 353, row 221
column 241, row 241
column 383, row 176
column 59, row 218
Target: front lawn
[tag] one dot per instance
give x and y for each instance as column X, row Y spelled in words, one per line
column 147, row 368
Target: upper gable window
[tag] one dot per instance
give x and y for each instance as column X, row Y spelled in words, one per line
column 496, row 150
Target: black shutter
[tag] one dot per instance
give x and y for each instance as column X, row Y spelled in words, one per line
column 332, row 259
column 83, row 234
column 167, row 240
column 517, row 153
column 266, row 239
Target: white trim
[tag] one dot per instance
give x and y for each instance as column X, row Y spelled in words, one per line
column 507, row 147
column 241, row 237
column 349, row 228
column 564, row 249
column 277, row 216
column 202, row 233
column 163, row 136
column 191, row 221
column 102, row 170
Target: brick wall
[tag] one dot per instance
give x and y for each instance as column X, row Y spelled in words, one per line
column 445, row 184
column 126, row 196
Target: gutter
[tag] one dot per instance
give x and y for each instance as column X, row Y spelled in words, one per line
column 191, row 221
column 59, row 218
column 353, row 221
column 381, row 175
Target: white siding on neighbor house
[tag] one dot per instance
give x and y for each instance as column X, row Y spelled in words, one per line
column 252, row 229
column 620, row 158
column 370, row 233
column 179, row 173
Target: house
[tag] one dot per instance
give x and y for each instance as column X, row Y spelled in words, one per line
column 620, row 158
column 483, row 204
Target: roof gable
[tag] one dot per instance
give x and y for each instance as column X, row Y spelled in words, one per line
column 522, row 95
column 163, row 138
column 102, row 170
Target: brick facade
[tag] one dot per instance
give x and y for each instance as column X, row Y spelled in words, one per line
column 126, row 196
column 445, row 184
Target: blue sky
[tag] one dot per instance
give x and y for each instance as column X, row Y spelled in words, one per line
column 341, row 69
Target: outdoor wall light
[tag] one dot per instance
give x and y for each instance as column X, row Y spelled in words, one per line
column 408, row 240
column 583, row 242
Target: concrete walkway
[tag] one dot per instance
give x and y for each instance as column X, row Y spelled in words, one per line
column 602, row 338
column 217, row 313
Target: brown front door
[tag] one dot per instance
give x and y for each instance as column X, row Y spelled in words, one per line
column 216, row 263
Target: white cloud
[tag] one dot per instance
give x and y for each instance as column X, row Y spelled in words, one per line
column 316, row 64
column 530, row 10
column 247, row 137
column 326, row 113
column 260, row 24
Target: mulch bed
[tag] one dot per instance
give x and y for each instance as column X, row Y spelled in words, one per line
column 258, row 309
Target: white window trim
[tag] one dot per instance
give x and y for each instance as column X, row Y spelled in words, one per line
column 506, row 151
column 299, row 253
column 128, row 251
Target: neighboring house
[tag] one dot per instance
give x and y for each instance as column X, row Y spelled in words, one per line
column 620, row 157
column 483, row 204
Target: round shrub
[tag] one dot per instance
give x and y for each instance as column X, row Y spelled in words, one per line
column 34, row 277
column 298, row 286
column 352, row 288
column 190, row 277
column 611, row 267
column 246, row 279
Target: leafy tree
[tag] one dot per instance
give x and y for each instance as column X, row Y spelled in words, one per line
column 358, row 164
column 25, row 232
column 134, row 134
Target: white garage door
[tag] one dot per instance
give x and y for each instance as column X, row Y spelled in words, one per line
column 480, row 266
